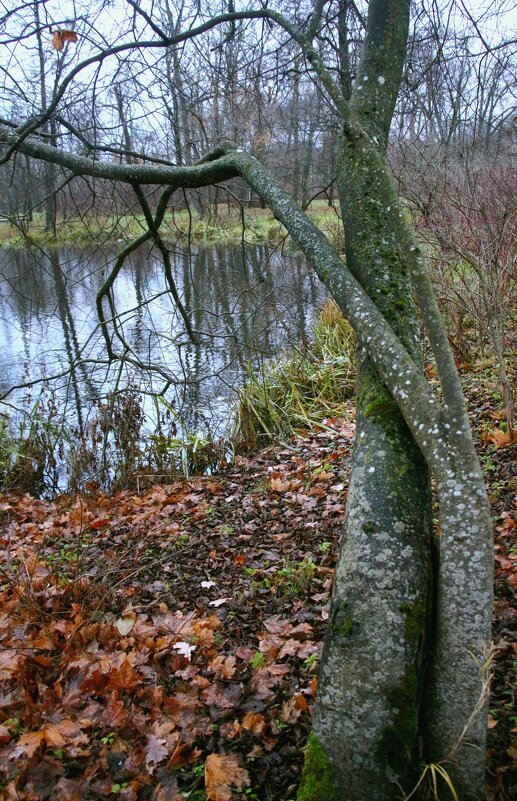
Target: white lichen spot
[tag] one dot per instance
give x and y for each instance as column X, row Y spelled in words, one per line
column 371, row 469
column 381, row 79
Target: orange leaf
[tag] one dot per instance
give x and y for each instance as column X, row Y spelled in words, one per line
column 68, row 36
column 221, row 774
column 254, row 723
column 57, row 41
column 28, row 744
column 53, row 736
column 125, row 678
column 60, row 37
column 499, row 438
column 228, row 668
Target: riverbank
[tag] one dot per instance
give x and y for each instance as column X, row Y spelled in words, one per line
column 229, row 226
column 152, row 640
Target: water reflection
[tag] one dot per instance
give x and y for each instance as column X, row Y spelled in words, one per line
column 244, row 304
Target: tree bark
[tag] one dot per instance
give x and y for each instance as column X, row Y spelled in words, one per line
column 371, row 680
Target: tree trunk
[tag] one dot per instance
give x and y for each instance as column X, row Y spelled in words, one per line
column 368, row 706
column 371, row 680
column 459, row 679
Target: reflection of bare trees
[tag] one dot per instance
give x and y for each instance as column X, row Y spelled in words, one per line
column 243, row 303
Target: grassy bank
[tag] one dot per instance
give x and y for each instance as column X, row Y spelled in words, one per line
column 230, row 225
column 299, row 389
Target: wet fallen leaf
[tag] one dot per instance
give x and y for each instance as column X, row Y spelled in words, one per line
column 221, row 774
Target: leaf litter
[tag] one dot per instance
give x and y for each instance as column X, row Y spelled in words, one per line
column 166, row 645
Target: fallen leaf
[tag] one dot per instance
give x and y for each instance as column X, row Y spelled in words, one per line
column 228, row 668
column 125, row 624
column 218, row 602
column 156, row 750
column 27, row 744
column 498, row 437
column 254, row 723
column 8, row 662
column 5, row 735
column 184, row 649
column 221, row 774
column 124, row 678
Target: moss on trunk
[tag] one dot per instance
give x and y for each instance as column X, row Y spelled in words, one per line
column 318, row 783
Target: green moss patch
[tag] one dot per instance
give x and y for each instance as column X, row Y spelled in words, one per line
column 318, row 778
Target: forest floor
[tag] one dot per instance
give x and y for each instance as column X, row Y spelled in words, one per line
column 165, row 644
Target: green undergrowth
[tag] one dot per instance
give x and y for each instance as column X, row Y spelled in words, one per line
column 299, row 389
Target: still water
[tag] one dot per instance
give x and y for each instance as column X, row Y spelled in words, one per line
column 244, row 303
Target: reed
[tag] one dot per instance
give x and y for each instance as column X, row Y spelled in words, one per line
column 300, row 389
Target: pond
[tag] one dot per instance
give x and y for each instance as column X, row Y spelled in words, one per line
column 245, row 304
